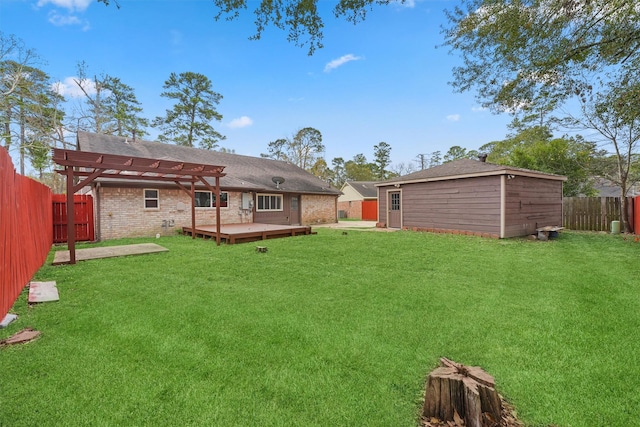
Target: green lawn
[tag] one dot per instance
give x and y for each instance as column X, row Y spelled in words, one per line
column 330, row 330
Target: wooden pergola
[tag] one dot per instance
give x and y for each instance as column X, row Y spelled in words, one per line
column 87, row 166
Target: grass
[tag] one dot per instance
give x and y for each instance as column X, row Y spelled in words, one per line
column 330, row 330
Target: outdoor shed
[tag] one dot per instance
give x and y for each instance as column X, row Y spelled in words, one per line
column 359, row 200
column 254, row 191
column 472, row 197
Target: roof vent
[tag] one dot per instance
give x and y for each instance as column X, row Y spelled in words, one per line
column 277, row 180
column 482, row 157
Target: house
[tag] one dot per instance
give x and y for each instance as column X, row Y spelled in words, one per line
column 359, row 199
column 254, row 190
column 472, row 197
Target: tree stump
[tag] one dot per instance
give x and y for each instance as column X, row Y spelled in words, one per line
column 455, row 392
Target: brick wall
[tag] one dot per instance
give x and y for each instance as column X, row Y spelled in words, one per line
column 353, row 208
column 122, row 213
column 317, row 209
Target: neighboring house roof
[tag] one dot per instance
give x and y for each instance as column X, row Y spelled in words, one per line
column 466, row 168
column 608, row 188
column 244, row 173
column 366, row 189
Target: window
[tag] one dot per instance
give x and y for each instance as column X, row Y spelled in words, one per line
column 395, row 201
column 269, row 202
column 207, row 199
column 151, row 199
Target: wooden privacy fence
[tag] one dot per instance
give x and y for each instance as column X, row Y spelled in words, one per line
column 593, row 213
column 369, row 210
column 83, row 205
column 26, row 230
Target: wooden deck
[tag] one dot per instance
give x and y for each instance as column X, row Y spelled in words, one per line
column 250, row 232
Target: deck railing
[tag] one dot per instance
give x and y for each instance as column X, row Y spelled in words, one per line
column 26, row 230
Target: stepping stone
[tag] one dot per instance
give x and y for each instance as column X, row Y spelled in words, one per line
column 10, row 317
column 43, row 292
column 22, row 337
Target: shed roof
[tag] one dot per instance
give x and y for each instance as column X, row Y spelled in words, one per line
column 466, row 168
column 243, row 173
column 367, row 189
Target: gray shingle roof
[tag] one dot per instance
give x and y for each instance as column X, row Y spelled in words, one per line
column 466, row 168
column 244, row 173
column 367, row 189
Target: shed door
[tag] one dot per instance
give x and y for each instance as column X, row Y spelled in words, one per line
column 395, row 210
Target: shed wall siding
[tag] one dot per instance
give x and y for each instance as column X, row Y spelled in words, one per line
column 471, row 204
column 122, row 213
column 532, row 203
column 382, row 205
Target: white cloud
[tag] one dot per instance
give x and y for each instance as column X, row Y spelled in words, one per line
column 71, row 5
column 478, row 109
column 69, row 87
column 453, row 117
column 240, row 122
column 63, row 20
column 332, row 65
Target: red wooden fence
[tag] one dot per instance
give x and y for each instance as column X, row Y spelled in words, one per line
column 83, row 205
column 26, row 230
column 369, row 210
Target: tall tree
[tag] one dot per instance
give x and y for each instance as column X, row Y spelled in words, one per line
column 529, row 55
column 402, row 168
column 615, row 116
column 303, row 149
column 277, row 150
column 29, row 111
column 359, row 169
column 188, row 122
column 96, row 117
column 306, row 147
column 321, row 170
column 338, row 172
column 455, row 153
column 123, row 108
column 536, row 148
column 15, row 62
column 382, row 159
column 112, row 106
column 14, row 57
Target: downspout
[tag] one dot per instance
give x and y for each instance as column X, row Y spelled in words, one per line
column 503, row 205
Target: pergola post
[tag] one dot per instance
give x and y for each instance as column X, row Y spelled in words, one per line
column 71, row 216
column 193, row 210
column 218, row 203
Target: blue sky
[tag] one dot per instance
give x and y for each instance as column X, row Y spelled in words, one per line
column 381, row 80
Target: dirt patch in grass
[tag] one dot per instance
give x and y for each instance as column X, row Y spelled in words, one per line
column 509, row 418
